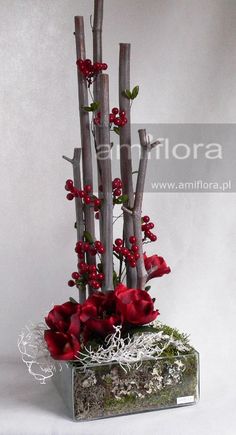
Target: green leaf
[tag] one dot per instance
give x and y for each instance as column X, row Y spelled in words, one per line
column 92, row 108
column 116, row 130
column 135, row 92
column 95, row 105
column 122, row 199
column 88, row 237
column 147, row 288
column 87, row 109
column 73, row 301
column 127, row 94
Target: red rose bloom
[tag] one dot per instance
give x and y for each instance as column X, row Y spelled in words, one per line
column 64, row 318
column 65, row 326
column 155, row 266
column 98, row 313
column 134, row 306
column 62, row 346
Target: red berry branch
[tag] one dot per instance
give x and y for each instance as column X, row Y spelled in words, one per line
column 90, row 70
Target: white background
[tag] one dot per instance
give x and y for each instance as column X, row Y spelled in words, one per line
column 184, row 59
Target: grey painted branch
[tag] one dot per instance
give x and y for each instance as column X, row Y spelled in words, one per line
column 97, row 57
column 97, row 42
column 146, row 147
column 85, row 129
column 78, row 203
column 104, row 153
column 125, row 154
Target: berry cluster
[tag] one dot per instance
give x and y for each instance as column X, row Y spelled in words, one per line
column 116, row 192
column 130, row 255
column 117, row 188
column 147, row 226
column 84, row 194
column 116, row 117
column 92, row 248
column 88, row 274
column 90, row 70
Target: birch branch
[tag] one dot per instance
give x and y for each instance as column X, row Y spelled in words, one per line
column 125, row 154
column 85, row 130
column 78, row 204
column 104, row 154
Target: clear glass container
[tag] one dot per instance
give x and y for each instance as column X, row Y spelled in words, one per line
column 108, row 390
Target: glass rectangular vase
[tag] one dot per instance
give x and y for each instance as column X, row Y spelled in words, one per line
column 108, row 390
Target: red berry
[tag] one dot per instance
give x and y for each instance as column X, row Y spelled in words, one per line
column 135, row 248
column 81, row 194
column 119, row 242
column 136, row 255
column 97, row 215
column 98, row 244
column 94, row 284
column 88, row 188
column 81, row 256
column 150, row 226
column 97, row 202
column 144, row 227
column 122, row 113
column 100, row 276
column 112, row 117
column 117, row 192
column 75, row 192
column 69, row 184
column 153, row 237
column 101, row 250
column 146, row 219
column 70, row 196
column 93, row 250
column 92, row 275
column 132, row 263
column 115, row 111
column 71, row 283
column 87, row 199
column 132, row 240
column 148, row 233
column 86, row 246
column 122, row 123
column 117, row 122
column 125, row 252
column 88, row 62
column 75, row 275
column 104, row 66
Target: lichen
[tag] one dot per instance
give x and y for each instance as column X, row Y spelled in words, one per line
column 155, row 384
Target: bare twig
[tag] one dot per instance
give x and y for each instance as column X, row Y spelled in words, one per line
column 146, row 147
column 125, row 153
column 104, row 153
column 85, row 130
column 78, row 204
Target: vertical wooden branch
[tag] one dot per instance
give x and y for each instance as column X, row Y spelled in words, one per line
column 136, row 213
column 104, row 154
column 97, row 42
column 85, row 130
column 125, row 154
column 78, row 204
column 97, row 57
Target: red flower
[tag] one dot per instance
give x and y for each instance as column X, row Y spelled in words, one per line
column 134, row 306
column 155, row 266
column 62, row 346
column 98, row 313
column 65, row 318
